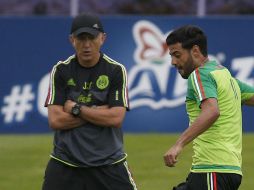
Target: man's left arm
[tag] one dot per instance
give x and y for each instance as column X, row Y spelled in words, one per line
column 209, row 114
column 104, row 116
column 250, row 101
column 247, row 93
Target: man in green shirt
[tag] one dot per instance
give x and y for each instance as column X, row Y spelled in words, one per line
column 213, row 102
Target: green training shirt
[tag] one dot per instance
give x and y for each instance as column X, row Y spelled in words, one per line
column 219, row 148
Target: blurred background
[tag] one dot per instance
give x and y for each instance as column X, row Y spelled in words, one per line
column 151, row 7
column 34, row 37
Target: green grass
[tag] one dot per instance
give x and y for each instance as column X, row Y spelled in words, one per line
column 23, row 159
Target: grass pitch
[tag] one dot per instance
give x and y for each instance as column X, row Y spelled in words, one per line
column 23, row 159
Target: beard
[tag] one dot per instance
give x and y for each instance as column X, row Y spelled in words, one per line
column 188, row 68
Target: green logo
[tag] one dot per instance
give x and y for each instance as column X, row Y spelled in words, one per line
column 85, row 99
column 102, row 82
column 71, row 82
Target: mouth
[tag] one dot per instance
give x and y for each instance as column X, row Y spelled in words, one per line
column 86, row 53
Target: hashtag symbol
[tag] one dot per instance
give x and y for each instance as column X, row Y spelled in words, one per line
column 17, row 103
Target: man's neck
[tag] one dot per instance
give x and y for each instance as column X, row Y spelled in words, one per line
column 201, row 62
column 204, row 60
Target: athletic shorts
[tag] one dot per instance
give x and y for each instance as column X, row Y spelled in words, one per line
column 211, row 181
column 59, row 176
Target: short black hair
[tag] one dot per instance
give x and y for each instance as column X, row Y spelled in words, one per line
column 188, row 36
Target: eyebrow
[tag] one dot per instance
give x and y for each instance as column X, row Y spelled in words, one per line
column 174, row 52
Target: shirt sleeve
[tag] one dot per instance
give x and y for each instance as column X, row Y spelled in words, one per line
column 118, row 94
column 203, row 84
column 247, row 91
column 56, row 90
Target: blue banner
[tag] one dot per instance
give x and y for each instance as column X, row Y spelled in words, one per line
column 31, row 46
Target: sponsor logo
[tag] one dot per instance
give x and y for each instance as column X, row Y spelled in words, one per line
column 95, row 26
column 85, row 99
column 71, row 82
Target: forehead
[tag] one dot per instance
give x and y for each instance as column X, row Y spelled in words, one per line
column 85, row 35
column 173, row 48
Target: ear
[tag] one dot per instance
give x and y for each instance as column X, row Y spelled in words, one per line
column 195, row 51
column 103, row 38
column 72, row 41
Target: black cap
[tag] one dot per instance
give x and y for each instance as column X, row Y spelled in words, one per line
column 86, row 23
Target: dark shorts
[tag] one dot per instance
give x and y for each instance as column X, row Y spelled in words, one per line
column 59, row 176
column 211, row 181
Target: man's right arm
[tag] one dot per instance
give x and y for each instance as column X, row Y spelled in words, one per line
column 61, row 120
column 209, row 114
column 58, row 118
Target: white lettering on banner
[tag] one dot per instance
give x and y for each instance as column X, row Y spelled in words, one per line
column 149, row 78
column 148, row 81
column 18, row 103
column 43, row 92
column 152, row 80
column 180, row 86
column 245, row 67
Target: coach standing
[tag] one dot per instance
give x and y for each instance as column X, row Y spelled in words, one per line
column 214, row 99
column 87, row 101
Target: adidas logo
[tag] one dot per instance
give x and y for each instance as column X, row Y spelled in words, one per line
column 96, row 26
column 71, row 82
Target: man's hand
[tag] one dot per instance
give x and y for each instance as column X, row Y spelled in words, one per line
column 170, row 157
column 68, row 106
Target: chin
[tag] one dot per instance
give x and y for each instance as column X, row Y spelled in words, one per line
column 184, row 76
column 86, row 58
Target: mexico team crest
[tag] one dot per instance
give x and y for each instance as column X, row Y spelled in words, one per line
column 102, row 82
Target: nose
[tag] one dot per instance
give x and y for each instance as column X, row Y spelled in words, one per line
column 86, row 42
column 173, row 61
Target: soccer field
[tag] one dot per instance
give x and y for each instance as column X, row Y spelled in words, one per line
column 23, row 159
